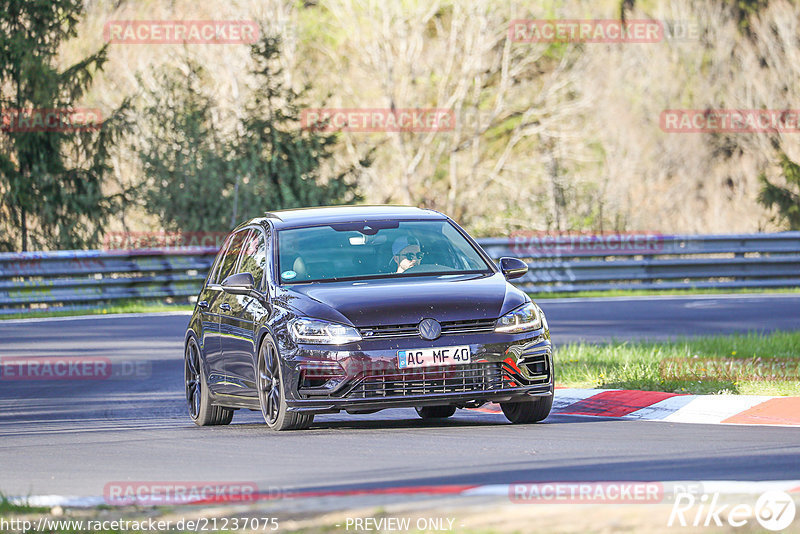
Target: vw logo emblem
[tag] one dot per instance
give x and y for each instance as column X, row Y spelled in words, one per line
column 429, row 329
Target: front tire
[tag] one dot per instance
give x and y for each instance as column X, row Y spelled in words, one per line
column 202, row 412
column 435, row 412
column 272, row 394
column 531, row 411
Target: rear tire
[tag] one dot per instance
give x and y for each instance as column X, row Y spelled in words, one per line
column 435, row 412
column 531, row 411
column 202, row 412
column 271, row 392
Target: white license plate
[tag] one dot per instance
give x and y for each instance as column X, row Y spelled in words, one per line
column 433, row 357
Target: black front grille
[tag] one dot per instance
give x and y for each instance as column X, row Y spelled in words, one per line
column 468, row 327
column 430, row 380
column 410, row 330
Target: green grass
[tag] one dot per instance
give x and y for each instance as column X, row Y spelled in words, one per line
column 646, row 365
column 7, row 507
column 129, row 307
column 661, row 292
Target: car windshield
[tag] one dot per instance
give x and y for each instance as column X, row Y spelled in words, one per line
column 377, row 249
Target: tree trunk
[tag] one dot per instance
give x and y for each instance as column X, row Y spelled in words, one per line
column 23, row 225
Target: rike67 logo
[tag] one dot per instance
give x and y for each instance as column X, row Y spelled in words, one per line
column 773, row 510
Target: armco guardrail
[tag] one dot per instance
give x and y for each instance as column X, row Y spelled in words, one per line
column 73, row 279
column 558, row 264
column 563, row 264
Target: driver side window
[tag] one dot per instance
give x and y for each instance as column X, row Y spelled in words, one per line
column 228, row 263
column 254, row 258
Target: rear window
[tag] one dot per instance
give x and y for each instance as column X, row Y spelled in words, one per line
column 376, row 249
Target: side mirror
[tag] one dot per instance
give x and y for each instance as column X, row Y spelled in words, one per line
column 513, row 268
column 239, row 284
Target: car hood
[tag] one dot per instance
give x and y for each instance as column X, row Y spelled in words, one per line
column 406, row 300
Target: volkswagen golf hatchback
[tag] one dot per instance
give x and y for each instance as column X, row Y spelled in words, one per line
column 363, row 308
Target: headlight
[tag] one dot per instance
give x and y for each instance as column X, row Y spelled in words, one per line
column 524, row 319
column 316, row 331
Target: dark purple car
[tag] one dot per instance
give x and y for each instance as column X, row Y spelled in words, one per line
column 360, row 309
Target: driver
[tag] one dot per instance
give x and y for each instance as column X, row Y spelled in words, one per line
column 406, row 253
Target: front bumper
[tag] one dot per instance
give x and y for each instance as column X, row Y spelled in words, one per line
column 471, row 399
column 504, row 368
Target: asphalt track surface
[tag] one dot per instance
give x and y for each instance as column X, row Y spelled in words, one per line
column 74, row 437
